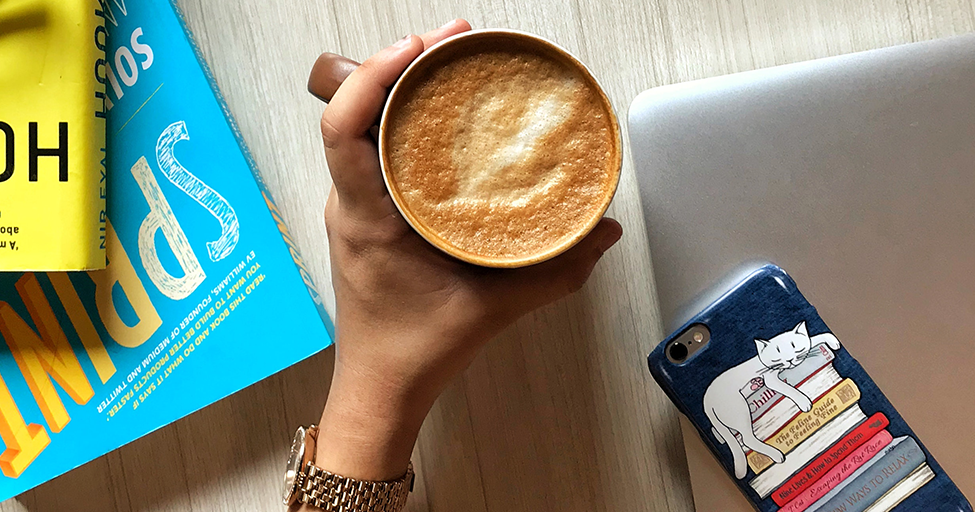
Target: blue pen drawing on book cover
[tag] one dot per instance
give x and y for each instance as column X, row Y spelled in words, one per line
column 204, row 292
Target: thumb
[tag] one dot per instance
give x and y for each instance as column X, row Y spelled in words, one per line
column 521, row 291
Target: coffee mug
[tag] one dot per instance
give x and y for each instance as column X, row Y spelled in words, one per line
column 497, row 146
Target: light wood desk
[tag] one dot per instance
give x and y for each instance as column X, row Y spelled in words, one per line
column 559, row 413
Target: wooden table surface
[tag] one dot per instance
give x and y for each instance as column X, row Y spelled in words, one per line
column 559, row 412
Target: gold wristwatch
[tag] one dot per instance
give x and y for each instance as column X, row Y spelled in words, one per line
column 304, row 482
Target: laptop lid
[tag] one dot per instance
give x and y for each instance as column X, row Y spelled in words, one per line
column 856, row 174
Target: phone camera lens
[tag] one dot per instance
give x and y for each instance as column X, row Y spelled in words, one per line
column 678, row 352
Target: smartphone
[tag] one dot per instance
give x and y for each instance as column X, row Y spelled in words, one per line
column 789, row 413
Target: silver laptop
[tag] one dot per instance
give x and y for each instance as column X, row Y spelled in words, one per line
column 856, row 174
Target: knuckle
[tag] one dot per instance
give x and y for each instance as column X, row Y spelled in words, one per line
column 328, row 223
column 368, row 67
column 331, row 134
column 349, row 249
column 381, row 238
column 330, row 215
column 354, row 238
column 361, row 238
column 351, row 240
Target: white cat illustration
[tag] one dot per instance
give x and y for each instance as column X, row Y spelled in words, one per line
column 727, row 408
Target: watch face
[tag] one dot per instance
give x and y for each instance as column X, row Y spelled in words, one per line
column 294, row 465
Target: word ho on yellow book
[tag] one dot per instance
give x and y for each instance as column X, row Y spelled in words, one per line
column 52, row 135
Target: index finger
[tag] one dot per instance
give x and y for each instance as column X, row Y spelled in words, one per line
column 352, row 156
column 351, row 153
column 449, row 29
column 330, row 69
column 360, row 98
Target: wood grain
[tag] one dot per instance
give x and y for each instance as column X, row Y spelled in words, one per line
column 558, row 413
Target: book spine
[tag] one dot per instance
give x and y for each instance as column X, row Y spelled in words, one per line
column 786, row 410
column 840, row 398
column 815, row 470
column 100, row 137
column 760, row 398
column 876, row 478
column 840, row 473
column 903, row 490
column 813, row 447
column 255, row 171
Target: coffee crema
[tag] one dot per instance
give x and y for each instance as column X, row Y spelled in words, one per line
column 504, row 153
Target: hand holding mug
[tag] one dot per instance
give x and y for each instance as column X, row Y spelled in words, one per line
column 409, row 317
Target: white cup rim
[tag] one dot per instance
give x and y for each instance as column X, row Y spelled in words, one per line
column 427, row 233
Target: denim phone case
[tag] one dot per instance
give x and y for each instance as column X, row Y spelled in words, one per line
column 792, row 416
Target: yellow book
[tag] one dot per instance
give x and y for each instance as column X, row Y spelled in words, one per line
column 52, row 135
column 837, row 400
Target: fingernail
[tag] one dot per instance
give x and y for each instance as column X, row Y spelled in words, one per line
column 405, row 42
column 449, row 23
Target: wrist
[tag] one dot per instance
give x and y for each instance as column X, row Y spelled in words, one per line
column 368, row 429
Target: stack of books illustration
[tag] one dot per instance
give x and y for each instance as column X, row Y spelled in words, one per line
column 836, row 457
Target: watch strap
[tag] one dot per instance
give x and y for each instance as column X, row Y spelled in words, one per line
column 336, row 493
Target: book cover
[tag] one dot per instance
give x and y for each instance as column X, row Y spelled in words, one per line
column 837, row 400
column 874, row 479
column 775, row 474
column 840, row 473
column 760, row 398
column 52, row 135
column 204, row 293
column 815, row 470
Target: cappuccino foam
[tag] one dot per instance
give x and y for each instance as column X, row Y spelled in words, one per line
column 503, row 154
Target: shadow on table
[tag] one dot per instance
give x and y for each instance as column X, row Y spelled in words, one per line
column 557, row 413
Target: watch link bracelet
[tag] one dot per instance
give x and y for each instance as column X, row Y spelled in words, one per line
column 309, row 484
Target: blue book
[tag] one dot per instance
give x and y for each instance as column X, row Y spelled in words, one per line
column 204, row 293
column 879, row 475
